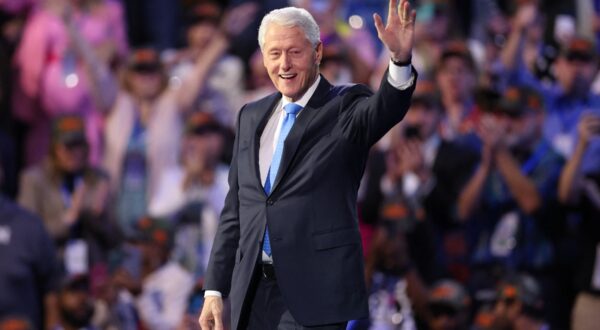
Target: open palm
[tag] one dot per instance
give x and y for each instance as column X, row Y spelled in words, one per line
column 398, row 34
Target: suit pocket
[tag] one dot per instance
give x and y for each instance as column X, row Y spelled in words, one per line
column 336, row 238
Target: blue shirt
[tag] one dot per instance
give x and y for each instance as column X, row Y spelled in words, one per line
column 563, row 113
column 29, row 266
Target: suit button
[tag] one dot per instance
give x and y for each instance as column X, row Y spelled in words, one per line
column 270, row 202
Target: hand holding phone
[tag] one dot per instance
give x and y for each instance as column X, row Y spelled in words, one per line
column 588, row 127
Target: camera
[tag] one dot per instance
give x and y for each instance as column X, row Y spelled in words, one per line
column 412, row 132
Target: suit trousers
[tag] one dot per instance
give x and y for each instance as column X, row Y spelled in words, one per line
column 264, row 307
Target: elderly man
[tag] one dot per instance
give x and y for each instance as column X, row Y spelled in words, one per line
column 287, row 251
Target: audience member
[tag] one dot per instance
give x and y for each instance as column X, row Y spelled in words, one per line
column 144, row 128
column 338, row 36
column 75, row 303
column 567, row 99
column 29, row 275
column 456, row 77
column 259, row 84
column 424, row 174
column 221, row 91
column 519, row 305
column 449, row 306
column 193, row 193
column 68, row 193
column 393, row 283
column 63, row 66
column 582, row 192
column 166, row 285
column 510, row 199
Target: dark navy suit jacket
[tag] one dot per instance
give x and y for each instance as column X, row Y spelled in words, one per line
column 311, row 211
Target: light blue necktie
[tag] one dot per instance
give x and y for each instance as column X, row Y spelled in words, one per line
column 291, row 110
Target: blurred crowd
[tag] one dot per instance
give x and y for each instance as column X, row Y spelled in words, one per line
column 480, row 210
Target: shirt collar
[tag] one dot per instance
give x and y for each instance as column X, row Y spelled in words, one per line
column 306, row 97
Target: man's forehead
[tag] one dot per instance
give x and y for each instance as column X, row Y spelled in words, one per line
column 277, row 33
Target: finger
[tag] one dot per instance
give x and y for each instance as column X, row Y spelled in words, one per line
column 403, row 10
column 218, row 321
column 393, row 10
column 204, row 320
column 378, row 24
column 204, row 324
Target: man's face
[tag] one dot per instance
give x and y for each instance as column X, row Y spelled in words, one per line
column 522, row 130
column 505, row 313
column 71, row 157
column 427, row 120
column 575, row 76
column 76, row 307
column 201, row 152
column 145, row 85
column 290, row 59
column 455, row 79
column 200, row 34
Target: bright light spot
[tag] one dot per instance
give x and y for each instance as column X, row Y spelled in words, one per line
column 356, row 22
column 175, row 82
column 71, row 80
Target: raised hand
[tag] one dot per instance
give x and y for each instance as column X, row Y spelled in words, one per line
column 588, row 127
column 398, row 34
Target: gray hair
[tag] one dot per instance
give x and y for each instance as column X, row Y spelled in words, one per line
column 289, row 17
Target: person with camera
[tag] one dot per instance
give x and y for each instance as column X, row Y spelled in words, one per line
column 427, row 172
column 410, row 191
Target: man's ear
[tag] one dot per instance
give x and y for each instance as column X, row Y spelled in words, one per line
column 319, row 53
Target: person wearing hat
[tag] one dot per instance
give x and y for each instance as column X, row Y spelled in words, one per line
column 569, row 97
column 512, row 190
column 519, row 305
column 143, row 129
column 65, row 190
column 448, row 306
column 165, row 283
column 208, row 27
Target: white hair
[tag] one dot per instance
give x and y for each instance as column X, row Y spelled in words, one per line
column 290, row 17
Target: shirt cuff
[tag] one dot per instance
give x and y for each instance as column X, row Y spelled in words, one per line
column 400, row 77
column 212, row 293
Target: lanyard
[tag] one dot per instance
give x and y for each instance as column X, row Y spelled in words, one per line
column 535, row 159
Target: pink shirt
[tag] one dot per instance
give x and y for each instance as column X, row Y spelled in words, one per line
column 45, row 87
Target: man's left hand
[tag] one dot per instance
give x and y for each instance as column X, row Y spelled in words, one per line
column 399, row 33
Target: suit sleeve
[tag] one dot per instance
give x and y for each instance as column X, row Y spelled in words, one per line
column 222, row 256
column 366, row 117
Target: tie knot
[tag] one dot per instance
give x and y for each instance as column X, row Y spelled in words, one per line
column 292, row 108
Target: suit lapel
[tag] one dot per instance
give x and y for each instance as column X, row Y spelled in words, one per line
column 259, row 121
column 293, row 139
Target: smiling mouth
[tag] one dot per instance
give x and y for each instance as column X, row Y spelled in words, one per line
column 287, row 76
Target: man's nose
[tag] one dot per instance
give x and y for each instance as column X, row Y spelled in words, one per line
column 286, row 63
